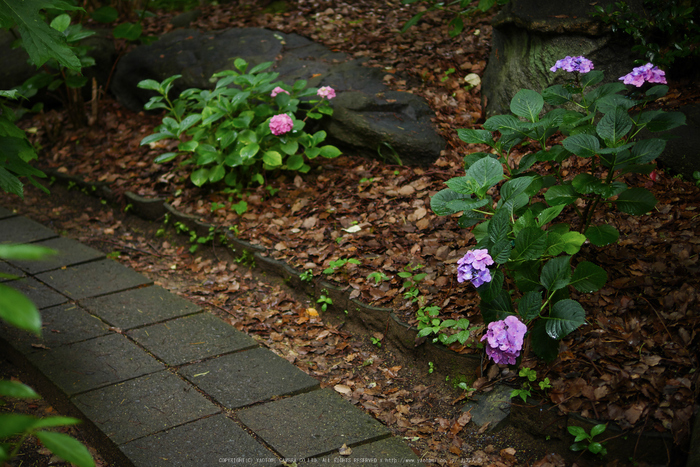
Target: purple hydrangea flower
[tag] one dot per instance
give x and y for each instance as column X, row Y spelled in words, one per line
column 481, row 277
column 648, row 73
column 473, row 267
column 571, row 64
column 505, row 340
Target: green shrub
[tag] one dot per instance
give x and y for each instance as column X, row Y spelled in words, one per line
column 245, row 126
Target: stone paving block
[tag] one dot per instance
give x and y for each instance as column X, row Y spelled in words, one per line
column 61, row 325
column 311, row 424
column 382, row 453
column 69, row 252
column 19, row 229
column 6, row 268
column 258, row 374
column 5, row 213
column 491, row 408
column 138, row 307
column 93, row 279
column 205, row 442
column 41, row 295
column 143, row 406
column 94, row 363
column 191, row 338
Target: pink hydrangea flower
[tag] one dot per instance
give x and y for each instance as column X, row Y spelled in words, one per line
column 281, row 124
column 327, row 92
column 505, row 340
column 571, row 64
column 278, row 90
column 648, row 73
column 473, row 267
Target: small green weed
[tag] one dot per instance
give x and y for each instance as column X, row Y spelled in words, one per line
column 246, row 259
column 240, row 207
column 411, row 281
column 429, row 323
column 584, row 440
column 307, row 276
column 447, row 74
column 324, row 300
column 367, row 181
column 334, row 266
column 465, row 387
column 393, row 155
column 526, row 390
column 378, row 277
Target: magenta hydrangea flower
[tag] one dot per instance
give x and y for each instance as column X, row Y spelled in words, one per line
column 327, row 92
column 648, row 73
column 505, row 340
column 281, row 124
column 473, row 267
column 571, row 64
column 278, row 90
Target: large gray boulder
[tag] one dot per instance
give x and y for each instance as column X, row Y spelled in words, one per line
column 368, row 116
column 529, row 36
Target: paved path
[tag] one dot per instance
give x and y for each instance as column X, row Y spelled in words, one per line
column 168, row 383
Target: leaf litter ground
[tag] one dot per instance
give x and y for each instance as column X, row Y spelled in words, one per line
column 634, row 363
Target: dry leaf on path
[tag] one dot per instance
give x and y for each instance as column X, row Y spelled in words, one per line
column 344, row 450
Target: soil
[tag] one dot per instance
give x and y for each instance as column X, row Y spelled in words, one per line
column 635, row 363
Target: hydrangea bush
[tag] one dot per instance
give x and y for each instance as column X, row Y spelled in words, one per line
column 248, row 124
column 524, row 244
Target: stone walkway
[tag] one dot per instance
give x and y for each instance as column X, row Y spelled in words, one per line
column 168, row 383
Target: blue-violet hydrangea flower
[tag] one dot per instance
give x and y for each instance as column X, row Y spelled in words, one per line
column 505, row 340
column 648, row 72
column 571, row 64
column 473, row 267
